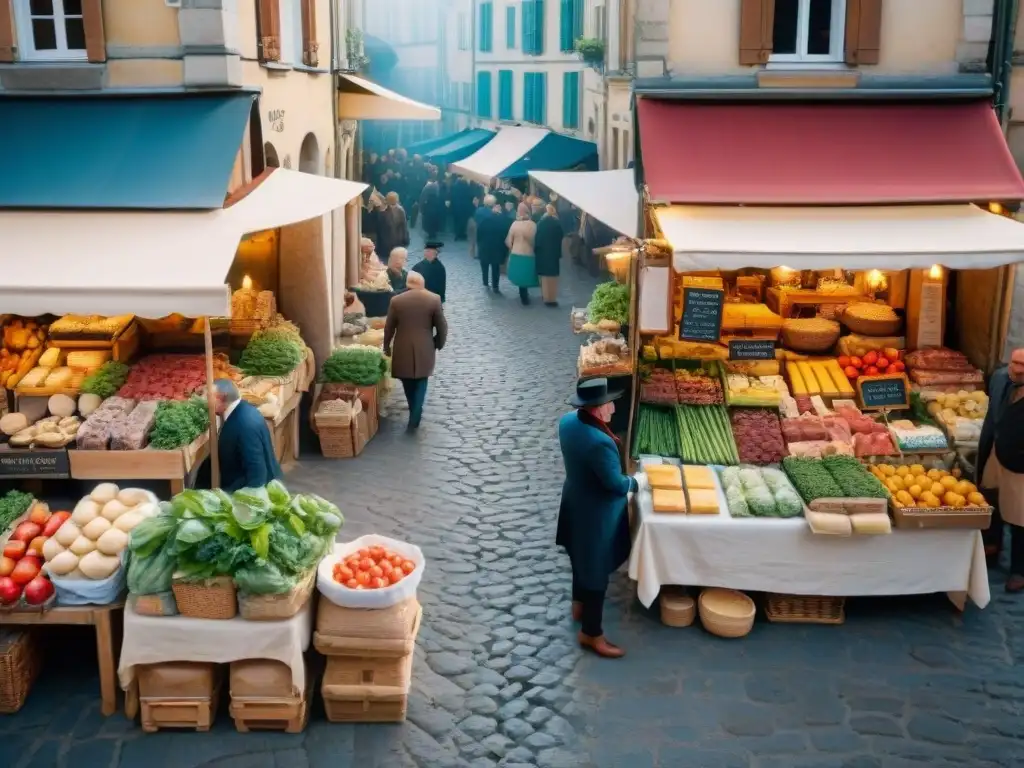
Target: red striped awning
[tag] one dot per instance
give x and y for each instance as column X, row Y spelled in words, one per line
column 825, row 154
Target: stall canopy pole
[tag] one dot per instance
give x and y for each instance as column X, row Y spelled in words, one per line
column 211, row 405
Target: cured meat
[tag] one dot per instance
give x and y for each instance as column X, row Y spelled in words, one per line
column 172, row 377
column 132, row 433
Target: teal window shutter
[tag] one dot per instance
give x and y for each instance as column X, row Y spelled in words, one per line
column 510, row 27
column 538, row 27
column 483, row 94
column 528, row 11
column 528, row 88
column 542, row 98
column 505, row 94
column 486, row 27
column 578, row 20
column 571, row 100
column 566, row 25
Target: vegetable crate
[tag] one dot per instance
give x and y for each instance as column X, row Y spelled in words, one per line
column 20, row 663
column 805, row 609
column 344, row 441
column 179, row 695
column 263, row 697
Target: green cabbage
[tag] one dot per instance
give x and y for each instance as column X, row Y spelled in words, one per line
column 150, row 535
column 263, row 578
column 153, row 573
column 251, row 507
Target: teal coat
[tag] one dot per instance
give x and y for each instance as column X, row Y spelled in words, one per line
column 246, row 452
column 593, row 521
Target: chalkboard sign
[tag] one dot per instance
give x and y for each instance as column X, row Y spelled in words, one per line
column 702, row 314
column 879, row 392
column 751, row 349
column 16, row 463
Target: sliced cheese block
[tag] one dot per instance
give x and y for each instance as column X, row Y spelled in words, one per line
column 668, row 500
column 871, row 523
column 664, row 476
column 828, row 523
column 698, row 477
column 703, row 502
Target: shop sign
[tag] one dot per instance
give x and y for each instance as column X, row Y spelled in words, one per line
column 751, row 349
column 35, row 463
column 882, row 392
column 275, row 118
column 702, row 314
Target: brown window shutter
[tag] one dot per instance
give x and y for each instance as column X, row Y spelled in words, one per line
column 310, row 47
column 756, row 20
column 270, row 30
column 863, row 31
column 95, row 41
column 6, row 30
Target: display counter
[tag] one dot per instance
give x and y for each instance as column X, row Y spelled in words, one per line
column 784, row 556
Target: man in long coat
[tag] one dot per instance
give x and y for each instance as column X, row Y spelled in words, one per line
column 491, row 229
column 413, row 333
column 392, row 227
column 432, row 208
column 434, row 274
column 548, row 251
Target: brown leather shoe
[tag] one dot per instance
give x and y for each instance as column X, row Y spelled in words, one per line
column 577, row 610
column 601, row 647
column 1015, row 584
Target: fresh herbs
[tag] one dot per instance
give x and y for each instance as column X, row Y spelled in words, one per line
column 106, row 380
column 178, row 423
column 272, row 353
column 355, row 364
column 609, row 302
column 853, row 478
column 13, row 505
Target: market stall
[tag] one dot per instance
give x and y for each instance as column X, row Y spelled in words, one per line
column 516, row 150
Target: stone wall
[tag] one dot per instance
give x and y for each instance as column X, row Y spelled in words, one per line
column 975, row 33
column 652, row 37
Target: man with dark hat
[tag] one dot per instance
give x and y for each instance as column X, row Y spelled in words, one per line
column 432, row 269
column 593, row 519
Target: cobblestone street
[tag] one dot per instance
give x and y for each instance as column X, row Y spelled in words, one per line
column 499, row 680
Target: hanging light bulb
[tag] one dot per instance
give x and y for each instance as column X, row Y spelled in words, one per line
column 246, row 283
column 935, row 272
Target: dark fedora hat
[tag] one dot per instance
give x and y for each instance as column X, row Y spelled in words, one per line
column 592, row 392
column 435, row 245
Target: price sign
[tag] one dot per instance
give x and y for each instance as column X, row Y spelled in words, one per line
column 751, row 349
column 702, row 314
column 878, row 392
column 28, row 463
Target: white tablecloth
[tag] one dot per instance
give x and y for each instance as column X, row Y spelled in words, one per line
column 776, row 555
column 156, row 639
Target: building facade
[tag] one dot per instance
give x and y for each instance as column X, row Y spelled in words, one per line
column 527, row 70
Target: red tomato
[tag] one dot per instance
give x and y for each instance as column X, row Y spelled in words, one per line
column 352, row 563
column 408, row 566
column 376, row 572
column 57, row 519
column 851, row 372
column 892, row 354
column 386, row 566
column 379, row 583
column 870, row 358
column 856, row 362
column 397, row 560
column 7, row 565
column 376, row 552
column 9, row 591
column 363, row 577
column 871, row 371
column 26, row 570
column 26, row 532
column 352, row 583
column 882, row 363
column 844, row 360
column 15, row 549
column 898, row 366
column 346, row 573
column 366, row 564
column 363, row 553
column 396, row 576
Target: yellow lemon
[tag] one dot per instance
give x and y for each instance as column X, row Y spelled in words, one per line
column 949, row 499
column 904, row 498
column 976, row 499
column 916, row 469
column 933, row 503
column 896, row 482
column 933, row 474
column 903, row 471
column 948, row 482
column 914, row 491
column 888, row 470
column 923, row 481
column 971, row 487
column 962, row 487
column 937, row 490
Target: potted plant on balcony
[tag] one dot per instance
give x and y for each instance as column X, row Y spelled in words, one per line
column 358, row 61
column 591, row 50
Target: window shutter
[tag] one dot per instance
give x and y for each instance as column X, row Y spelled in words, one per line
column 486, row 27
column 505, row 94
column 863, row 31
column 542, row 97
column 310, row 47
column 571, row 100
column 757, row 18
column 565, row 24
column 538, row 27
column 92, row 20
column 270, row 30
column 579, row 19
column 510, row 27
column 528, row 97
column 483, row 94
column 6, row 30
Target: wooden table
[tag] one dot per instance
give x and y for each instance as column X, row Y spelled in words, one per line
column 98, row 616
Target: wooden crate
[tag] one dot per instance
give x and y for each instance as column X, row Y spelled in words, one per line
column 365, row 704
column 179, row 713
column 188, row 695
column 383, row 633
column 382, row 671
column 289, row 715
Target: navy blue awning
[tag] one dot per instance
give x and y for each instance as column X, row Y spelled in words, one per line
column 555, row 152
column 461, row 146
column 152, row 152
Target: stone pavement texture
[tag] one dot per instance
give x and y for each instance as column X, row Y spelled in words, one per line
column 498, row 678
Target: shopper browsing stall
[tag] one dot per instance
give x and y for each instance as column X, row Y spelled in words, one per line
column 397, row 273
column 1000, row 467
column 522, row 263
column 593, row 523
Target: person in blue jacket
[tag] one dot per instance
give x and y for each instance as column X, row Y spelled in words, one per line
column 244, row 446
column 593, row 520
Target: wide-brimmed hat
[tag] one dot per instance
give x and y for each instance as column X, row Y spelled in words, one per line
column 592, row 392
column 435, row 245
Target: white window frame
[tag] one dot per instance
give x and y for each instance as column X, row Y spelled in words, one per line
column 836, row 37
column 26, row 39
column 291, row 32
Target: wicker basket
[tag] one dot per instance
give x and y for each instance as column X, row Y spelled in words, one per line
column 677, row 608
column 810, row 335
column 213, row 599
column 726, row 612
column 276, row 607
column 805, row 609
column 867, row 326
column 19, row 664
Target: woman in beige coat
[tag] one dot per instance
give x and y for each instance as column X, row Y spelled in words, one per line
column 522, row 262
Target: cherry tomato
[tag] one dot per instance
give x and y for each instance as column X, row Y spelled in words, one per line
column 363, row 577
column 376, row 552
column 352, row 584
column 408, row 566
column 352, row 563
column 346, row 573
column 379, row 583
column 396, row 576
column 363, row 553
column 397, row 560
column 376, row 572
column 386, row 566
column 366, row 564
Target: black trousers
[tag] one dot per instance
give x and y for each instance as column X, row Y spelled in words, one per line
column 994, row 536
column 492, row 270
column 592, row 601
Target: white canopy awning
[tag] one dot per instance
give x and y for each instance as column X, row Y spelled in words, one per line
column 499, row 153
column 608, row 196
column 360, row 99
column 151, row 264
column 868, row 237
